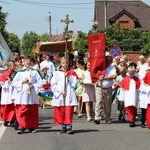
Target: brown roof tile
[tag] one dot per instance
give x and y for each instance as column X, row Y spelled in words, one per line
column 56, row 38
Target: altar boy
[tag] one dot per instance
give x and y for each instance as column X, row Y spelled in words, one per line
column 64, row 99
column 146, row 80
column 27, row 83
column 7, row 104
column 130, row 85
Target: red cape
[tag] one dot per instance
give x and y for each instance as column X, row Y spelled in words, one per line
column 1, row 78
column 5, row 76
column 146, row 79
column 126, row 81
column 72, row 73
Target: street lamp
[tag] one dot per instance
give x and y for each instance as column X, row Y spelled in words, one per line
column 95, row 25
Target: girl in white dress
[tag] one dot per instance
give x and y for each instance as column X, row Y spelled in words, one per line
column 79, row 89
column 119, row 96
column 88, row 95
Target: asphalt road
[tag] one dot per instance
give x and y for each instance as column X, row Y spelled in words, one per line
column 87, row 135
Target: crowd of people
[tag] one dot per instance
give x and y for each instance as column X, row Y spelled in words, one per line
column 70, row 82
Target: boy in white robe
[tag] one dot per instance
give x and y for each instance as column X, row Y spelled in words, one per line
column 130, row 85
column 144, row 97
column 64, row 97
column 27, row 83
column 145, row 103
column 7, row 104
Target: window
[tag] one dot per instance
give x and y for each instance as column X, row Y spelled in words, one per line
column 124, row 24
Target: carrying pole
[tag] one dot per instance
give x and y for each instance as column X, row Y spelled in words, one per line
column 66, row 36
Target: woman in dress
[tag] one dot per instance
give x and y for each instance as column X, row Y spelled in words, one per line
column 88, row 95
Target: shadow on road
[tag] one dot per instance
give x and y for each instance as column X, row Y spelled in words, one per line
column 85, row 131
column 50, row 129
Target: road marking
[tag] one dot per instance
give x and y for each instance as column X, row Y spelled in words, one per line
column 2, row 130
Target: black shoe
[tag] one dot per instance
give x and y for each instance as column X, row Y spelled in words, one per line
column 64, row 130
column 97, row 121
column 12, row 124
column 16, row 126
column 32, row 130
column 142, row 125
column 132, row 124
column 123, row 120
column 20, row 131
column 69, row 131
column 120, row 117
column 75, row 112
column 6, row 123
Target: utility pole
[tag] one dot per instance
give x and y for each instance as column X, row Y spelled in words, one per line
column 105, row 13
column 50, row 29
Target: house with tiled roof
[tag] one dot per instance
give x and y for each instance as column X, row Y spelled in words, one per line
column 125, row 13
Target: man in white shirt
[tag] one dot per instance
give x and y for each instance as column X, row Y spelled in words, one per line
column 106, row 83
column 50, row 67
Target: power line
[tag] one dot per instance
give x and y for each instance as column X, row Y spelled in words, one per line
column 4, row 2
column 53, row 6
column 46, row 3
column 61, row 5
column 56, row 5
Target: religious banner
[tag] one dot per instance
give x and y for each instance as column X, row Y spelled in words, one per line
column 97, row 55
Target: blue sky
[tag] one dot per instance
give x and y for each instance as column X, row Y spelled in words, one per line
column 25, row 15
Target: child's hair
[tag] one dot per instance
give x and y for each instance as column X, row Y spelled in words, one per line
column 18, row 59
column 33, row 60
column 9, row 62
column 132, row 65
column 71, row 56
column 27, row 58
column 81, row 61
column 71, row 64
column 131, row 68
column 122, row 69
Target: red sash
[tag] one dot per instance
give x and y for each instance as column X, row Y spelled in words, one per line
column 146, row 79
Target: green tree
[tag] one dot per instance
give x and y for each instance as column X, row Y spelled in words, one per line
column 127, row 39
column 13, row 42
column 2, row 20
column 44, row 37
column 3, row 23
column 146, row 43
column 29, row 42
column 81, row 44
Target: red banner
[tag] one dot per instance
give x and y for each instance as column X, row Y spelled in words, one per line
column 97, row 55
